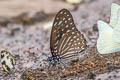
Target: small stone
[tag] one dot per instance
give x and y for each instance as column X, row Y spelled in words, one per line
column 91, row 75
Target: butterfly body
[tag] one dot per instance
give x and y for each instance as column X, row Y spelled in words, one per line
column 66, row 41
column 54, row 60
column 7, row 61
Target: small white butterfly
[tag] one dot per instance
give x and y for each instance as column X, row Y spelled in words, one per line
column 7, row 60
column 109, row 34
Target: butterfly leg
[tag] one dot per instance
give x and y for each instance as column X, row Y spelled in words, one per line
column 50, row 66
column 57, row 66
column 63, row 65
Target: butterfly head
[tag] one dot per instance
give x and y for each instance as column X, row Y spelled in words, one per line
column 54, row 60
column 51, row 60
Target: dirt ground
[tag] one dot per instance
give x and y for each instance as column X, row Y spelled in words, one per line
column 25, row 27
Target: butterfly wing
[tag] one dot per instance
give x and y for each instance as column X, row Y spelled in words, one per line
column 116, row 32
column 105, row 43
column 71, row 44
column 63, row 23
column 114, row 14
column 7, row 60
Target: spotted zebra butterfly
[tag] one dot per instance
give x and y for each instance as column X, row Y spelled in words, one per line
column 66, row 42
column 7, row 60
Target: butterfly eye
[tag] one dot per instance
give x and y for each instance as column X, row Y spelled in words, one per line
column 66, row 41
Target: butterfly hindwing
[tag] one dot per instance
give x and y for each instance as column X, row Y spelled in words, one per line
column 114, row 14
column 105, row 42
column 71, row 45
column 116, row 32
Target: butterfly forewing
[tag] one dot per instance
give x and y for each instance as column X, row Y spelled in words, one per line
column 63, row 23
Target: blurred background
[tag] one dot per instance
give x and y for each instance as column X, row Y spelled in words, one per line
column 25, row 27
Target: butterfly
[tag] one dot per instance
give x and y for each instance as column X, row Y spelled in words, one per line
column 109, row 34
column 66, row 42
column 7, row 60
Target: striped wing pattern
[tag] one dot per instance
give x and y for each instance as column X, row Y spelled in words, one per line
column 63, row 23
column 71, row 44
column 66, row 41
column 7, row 60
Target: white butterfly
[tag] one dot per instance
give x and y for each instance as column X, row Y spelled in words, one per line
column 109, row 34
column 7, row 60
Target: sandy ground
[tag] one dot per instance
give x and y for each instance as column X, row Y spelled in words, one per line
column 29, row 43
